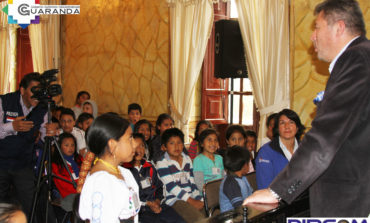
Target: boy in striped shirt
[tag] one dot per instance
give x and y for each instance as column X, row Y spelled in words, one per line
column 175, row 170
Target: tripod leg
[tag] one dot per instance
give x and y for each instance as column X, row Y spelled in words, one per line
column 49, row 183
column 47, row 151
column 39, row 178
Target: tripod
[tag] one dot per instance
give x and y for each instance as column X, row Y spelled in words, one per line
column 47, row 178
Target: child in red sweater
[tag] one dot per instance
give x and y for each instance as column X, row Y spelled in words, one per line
column 67, row 144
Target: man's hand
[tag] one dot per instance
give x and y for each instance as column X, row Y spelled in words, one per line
column 51, row 129
column 20, row 125
column 261, row 196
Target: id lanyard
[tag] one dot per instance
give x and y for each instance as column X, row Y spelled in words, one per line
column 145, row 182
column 215, row 170
column 183, row 178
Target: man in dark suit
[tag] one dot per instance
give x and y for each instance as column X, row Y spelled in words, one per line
column 333, row 159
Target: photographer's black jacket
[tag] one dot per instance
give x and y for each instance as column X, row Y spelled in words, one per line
column 16, row 150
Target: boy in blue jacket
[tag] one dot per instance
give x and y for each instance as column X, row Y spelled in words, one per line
column 235, row 187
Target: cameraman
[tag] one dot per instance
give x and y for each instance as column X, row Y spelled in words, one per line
column 20, row 120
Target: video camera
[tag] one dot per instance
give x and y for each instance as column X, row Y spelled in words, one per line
column 45, row 92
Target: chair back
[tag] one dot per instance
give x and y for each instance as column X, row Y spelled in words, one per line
column 251, row 177
column 211, row 194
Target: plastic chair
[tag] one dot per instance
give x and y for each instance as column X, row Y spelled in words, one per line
column 211, row 194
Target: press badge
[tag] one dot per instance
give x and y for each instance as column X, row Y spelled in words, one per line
column 11, row 116
column 177, row 177
column 216, row 170
column 145, row 183
column 184, row 179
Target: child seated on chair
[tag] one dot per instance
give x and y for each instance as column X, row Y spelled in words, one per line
column 207, row 162
column 67, row 123
column 144, row 127
column 90, row 107
column 235, row 186
column 175, row 170
column 236, row 136
column 194, row 147
column 150, row 187
column 164, row 122
column 251, row 145
column 67, row 144
column 134, row 114
column 84, row 121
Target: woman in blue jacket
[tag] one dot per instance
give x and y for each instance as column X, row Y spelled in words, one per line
column 275, row 155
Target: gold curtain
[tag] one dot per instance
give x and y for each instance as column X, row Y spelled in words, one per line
column 265, row 30
column 190, row 28
column 8, row 53
column 45, row 41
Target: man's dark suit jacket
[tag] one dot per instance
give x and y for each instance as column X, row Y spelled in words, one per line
column 333, row 159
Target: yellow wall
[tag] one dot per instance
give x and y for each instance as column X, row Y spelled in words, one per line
column 309, row 74
column 118, row 50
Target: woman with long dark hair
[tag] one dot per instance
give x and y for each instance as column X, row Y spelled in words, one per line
column 274, row 156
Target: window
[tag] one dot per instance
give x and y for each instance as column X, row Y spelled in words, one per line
column 227, row 100
column 241, row 104
column 233, row 10
column 241, row 109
